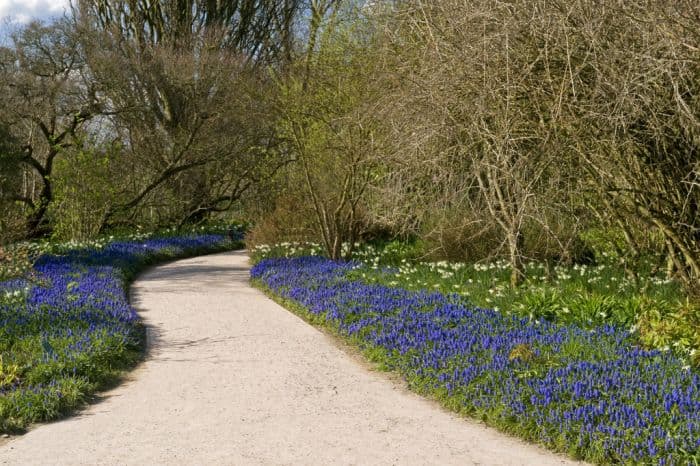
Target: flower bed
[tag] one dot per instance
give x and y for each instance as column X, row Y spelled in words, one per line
column 67, row 329
column 589, row 392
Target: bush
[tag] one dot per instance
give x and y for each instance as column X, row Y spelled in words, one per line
column 289, row 221
column 666, row 326
column 453, row 234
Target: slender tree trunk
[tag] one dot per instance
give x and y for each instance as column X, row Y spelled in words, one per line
column 515, row 245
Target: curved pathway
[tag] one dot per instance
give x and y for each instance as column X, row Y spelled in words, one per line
column 233, row 378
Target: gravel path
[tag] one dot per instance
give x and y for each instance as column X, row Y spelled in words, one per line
column 233, row 378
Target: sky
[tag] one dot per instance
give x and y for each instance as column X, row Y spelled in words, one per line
column 23, row 11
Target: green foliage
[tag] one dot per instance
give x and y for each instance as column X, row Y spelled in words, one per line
column 671, row 326
column 606, row 243
column 9, row 374
column 610, row 246
column 87, row 184
column 327, row 122
column 392, row 252
column 543, row 303
column 20, row 407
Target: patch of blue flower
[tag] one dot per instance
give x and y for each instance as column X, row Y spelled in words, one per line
column 68, row 328
column 592, row 393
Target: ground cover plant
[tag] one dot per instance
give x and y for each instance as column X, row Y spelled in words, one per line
column 653, row 307
column 590, row 390
column 67, row 328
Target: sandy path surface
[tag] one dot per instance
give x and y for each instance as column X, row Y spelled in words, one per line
column 233, row 378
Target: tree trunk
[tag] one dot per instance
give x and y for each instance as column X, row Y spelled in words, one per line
column 517, row 271
column 36, row 226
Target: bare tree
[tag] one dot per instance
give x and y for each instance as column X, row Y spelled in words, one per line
column 188, row 102
column 46, row 102
column 639, row 131
column 261, row 31
column 539, row 108
column 480, row 106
